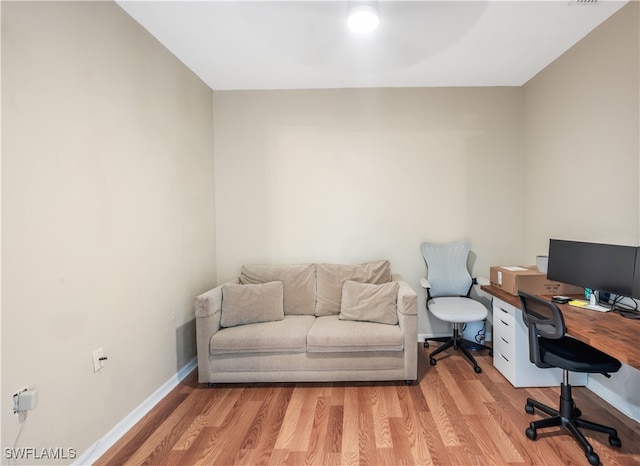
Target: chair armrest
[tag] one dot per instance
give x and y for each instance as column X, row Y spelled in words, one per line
column 424, row 283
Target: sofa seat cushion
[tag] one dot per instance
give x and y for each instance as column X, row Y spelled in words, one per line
column 299, row 282
column 330, row 334
column 287, row 335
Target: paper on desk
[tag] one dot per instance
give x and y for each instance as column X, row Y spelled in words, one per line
column 585, row 305
column 514, row 268
column 578, row 303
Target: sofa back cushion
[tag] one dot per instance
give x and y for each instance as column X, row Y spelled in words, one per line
column 368, row 302
column 299, row 283
column 331, row 277
column 250, row 304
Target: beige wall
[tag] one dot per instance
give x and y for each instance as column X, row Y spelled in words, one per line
column 352, row 175
column 581, row 150
column 355, row 175
column 582, row 157
column 107, row 216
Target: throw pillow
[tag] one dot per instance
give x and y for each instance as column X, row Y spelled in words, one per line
column 250, row 304
column 331, row 277
column 369, row 302
column 298, row 280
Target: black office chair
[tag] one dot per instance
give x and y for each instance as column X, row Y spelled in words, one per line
column 549, row 346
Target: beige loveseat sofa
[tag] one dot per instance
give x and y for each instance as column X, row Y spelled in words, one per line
column 308, row 323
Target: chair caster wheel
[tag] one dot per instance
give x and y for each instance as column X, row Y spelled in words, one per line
column 531, row 433
column 491, row 352
column 594, row 459
column 432, row 361
column 577, row 412
column 614, row 441
column 426, row 344
column 478, row 369
column 529, row 409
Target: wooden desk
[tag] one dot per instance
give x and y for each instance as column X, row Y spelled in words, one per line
column 607, row 331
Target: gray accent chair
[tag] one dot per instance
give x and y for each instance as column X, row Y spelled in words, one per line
column 447, row 287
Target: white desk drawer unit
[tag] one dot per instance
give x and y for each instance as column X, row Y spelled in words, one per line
column 511, row 351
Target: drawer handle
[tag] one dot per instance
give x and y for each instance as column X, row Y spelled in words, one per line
column 504, row 340
column 504, row 322
column 504, row 357
column 503, row 310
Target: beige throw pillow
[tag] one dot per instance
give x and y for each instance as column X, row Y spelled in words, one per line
column 330, row 278
column 250, row 304
column 369, row 302
column 298, row 280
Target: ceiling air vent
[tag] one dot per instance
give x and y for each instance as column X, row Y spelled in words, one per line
column 584, row 2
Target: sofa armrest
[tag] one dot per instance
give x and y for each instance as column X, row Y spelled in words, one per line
column 407, row 299
column 407, row 305
column 209, row 303
column 208, row 307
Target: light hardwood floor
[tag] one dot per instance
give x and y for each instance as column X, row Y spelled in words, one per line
column 451, row 416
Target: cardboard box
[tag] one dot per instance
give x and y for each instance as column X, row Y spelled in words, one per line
column 527, row 278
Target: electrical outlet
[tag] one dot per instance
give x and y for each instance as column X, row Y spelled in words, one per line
column 16, row 398
column 98, row 359
column 24, row 400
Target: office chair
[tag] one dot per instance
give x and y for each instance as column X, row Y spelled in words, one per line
column 447, row 286
column 549, row 346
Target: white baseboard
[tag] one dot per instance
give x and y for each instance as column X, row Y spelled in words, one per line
column 422, row 336
column 99, row 448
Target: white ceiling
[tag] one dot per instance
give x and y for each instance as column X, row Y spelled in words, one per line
column 306, row 45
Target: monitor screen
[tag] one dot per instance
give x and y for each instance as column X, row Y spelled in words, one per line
column 602, row 267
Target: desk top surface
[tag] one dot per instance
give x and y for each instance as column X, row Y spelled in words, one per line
column 607, row 331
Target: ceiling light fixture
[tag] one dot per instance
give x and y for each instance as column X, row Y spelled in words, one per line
column 362, row 18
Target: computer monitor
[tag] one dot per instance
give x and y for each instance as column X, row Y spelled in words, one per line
column 603, row 267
